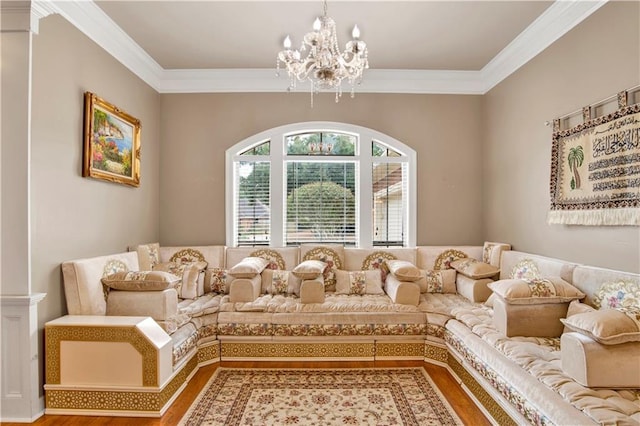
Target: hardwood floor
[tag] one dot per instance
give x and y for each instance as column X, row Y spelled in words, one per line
column 461, row 403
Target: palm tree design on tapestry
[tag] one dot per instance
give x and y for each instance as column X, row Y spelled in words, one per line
column 575, row 158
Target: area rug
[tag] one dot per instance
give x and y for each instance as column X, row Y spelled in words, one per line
column 398, row 396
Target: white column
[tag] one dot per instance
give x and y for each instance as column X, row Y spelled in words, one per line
column 20, row 391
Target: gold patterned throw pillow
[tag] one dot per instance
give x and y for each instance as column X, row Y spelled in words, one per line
column 359, row 282
column 216, row 280
column 276, row 281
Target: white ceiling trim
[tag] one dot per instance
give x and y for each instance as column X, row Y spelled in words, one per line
column 556, row 21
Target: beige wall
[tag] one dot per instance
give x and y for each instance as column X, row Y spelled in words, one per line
column 198, row 128
column 598, row 58
column 71, row 216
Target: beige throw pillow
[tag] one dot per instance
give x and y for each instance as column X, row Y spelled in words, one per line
column 606, row 326
column 403, row 270
column 249, row 267
column 276, row 281
column 535, row 291
column 437, row 281
column 475, row 269
column 148, row 256
column 141, row 281
column 217, row 280
column 309, row 269
column 359, row 282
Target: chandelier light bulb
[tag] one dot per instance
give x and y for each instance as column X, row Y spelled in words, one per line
column 317, row 25
column 287, row 43
column 356, row 32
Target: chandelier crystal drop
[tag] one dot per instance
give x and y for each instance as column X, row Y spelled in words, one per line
column 324, row 65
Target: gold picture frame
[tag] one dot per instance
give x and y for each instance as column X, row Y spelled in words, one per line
column 111, row 142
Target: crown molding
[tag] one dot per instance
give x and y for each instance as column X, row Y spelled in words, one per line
column 552, row 24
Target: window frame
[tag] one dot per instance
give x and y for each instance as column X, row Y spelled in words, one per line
column 278, row 157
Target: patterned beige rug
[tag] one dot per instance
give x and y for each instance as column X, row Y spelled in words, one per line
column 398, row 396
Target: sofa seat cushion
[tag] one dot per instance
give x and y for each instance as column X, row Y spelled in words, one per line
column 333, row 303
column 438, row 308
column 350, row 324
column 184, row 341
column 533, row 365
column 206, row 304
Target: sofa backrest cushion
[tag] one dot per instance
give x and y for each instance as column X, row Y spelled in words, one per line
column 357, row 259
column 439, row 257
column 519, row 265
column 284, row 258
column 597, row 283
column 213, row 255
column 83, row 281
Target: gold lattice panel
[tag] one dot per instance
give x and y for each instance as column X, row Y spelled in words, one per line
column 56, row 334
column 297, row 350
column 209, row 352
column 492, row 407
column 400, row 350
column 436, row 353
column 150, row 402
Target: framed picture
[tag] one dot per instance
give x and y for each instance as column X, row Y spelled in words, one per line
column 111, row 142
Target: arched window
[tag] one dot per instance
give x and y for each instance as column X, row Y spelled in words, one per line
column 320, row 182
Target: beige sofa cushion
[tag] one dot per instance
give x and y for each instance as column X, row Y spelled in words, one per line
column 403, row 270
column 284, row 258
column 217, row 280
column 534, row 320
column 358, row 282
column 249, row 267
column 280, row 282
column 474, row 290
column 535, row 291
column 438, row 281
column 607, row 326
column 475, row 269
column 148, row 256
column 600, row 366
column 141, row 281
column 310, row 269
column 492, row 251
column 331, row 254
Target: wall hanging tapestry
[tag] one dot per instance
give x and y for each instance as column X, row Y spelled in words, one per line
column 328, row 397
column 595, row 169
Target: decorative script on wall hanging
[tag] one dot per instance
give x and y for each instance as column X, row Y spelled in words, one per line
column 595, row 169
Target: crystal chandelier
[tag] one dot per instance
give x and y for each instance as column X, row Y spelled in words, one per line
column 325, row 66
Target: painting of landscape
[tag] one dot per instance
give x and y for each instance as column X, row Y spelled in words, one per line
column 112, row 143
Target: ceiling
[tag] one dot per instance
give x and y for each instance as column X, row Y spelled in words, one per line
column 414, row 46
column 445, row 35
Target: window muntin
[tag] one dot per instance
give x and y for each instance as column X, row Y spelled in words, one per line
column 368, row 147
column 321, row 143
column 261, row 149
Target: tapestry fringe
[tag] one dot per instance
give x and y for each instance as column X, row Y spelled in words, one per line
column 622, row 216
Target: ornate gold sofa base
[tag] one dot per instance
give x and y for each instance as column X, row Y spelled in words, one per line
column 115, row 366
column 321, row 349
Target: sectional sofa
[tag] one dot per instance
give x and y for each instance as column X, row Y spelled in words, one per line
column 447, row 315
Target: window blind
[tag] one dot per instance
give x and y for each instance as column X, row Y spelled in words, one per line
column 320, row 202
column 253, row 212
column 389, row 204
